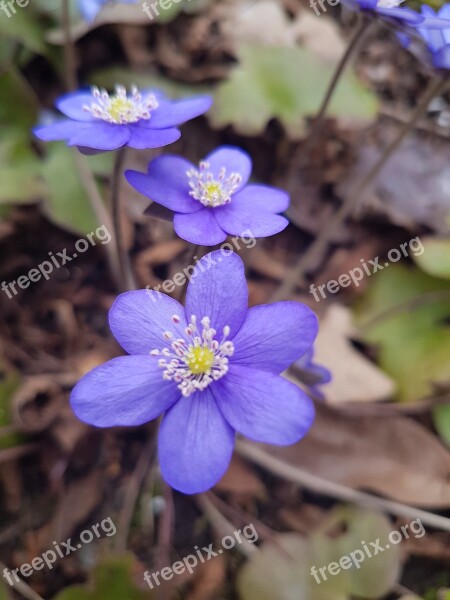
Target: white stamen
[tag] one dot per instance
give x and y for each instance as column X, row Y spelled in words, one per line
column 209, row 191
column 119, row 108
column 186, row 356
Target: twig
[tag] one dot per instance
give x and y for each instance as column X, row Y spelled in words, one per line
column 132, row 493
column 406, row 306
column 355, row 41
column 337, row 490
column 317, row 248
column 222, row 525
column 22, row 587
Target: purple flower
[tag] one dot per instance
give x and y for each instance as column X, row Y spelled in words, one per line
column 99, row 121
column 89, row 9
column 312, row 374
column 212, row 367
column 437, row 41
column 391, row 11
column 213, row 200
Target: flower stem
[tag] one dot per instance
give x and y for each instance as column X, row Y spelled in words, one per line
column 126, row 273
column 317, row 248
column 69, row 49
column 100, row 211
column 351, row 48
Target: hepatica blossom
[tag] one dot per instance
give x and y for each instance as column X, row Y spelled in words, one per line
column 392, row 11
column 212, row 367
column 212, row 199
column 437, row 42
column 99, row 121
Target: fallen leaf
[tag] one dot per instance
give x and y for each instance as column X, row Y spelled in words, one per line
column 395, row 457
column 355, row 377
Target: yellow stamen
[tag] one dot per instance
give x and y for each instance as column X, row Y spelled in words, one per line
column 200, row 360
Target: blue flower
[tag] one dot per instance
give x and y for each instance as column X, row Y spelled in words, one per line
column 89, row 9
column 312, row 374
column 437, row 41
column 212, row 367
column 213, row 200
column 386, row 9
column 98, row 121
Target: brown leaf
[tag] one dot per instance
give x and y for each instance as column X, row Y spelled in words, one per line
column 241, row 479
column 208, row 579
column 395, row 457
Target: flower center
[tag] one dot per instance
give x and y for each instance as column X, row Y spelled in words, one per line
column 209, row 191
column 120, row 108
column 198, row 361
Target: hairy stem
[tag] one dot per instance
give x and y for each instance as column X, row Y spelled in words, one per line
column 351, row 49
column 126, row 273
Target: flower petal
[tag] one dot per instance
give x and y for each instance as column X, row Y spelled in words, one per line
column 172, row 113
column 236, row 219
column 101, row 136
column 218, row 290
column 264, row 407
column 233, row 159
column 128, row 390
column 59, row 130
column 199, row 228
column 195, row 444
column 262, row 197
column 405, row 15
column 166, row 183
column 273, row 336
column 142, row 138
column 139, row 319
column 72, row 106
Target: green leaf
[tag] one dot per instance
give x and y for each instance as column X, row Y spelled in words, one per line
column 67, row 204
column 406, row 314
column 435, row 260
column 18, row 104
column 19, row 170
column 23, row 26
column 285, row 83
column 112, row 580
column 441, row 420
column 285, row 571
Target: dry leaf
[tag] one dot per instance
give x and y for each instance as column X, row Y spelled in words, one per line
column 355, row 378
column 394, row 456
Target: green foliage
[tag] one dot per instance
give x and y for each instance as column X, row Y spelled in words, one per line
column 112, row 579
column 435, row 259
column 283, row 571
column 66, row 203
column 407, row 315
column 284, row 83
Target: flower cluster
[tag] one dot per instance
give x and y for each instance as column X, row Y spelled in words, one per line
column 392, row 12
column 212, row 368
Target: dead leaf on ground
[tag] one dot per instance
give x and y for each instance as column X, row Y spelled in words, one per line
column 394, row 457
column 355, row 377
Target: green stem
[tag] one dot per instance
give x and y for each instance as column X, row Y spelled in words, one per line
column 317, row 248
